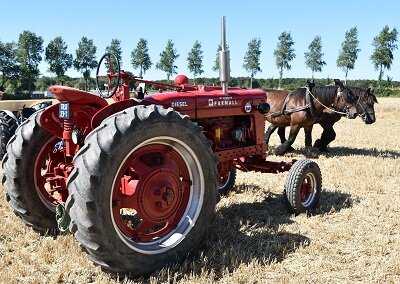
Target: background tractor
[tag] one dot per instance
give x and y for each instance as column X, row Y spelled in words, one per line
column 12, row 114
column 136, row 180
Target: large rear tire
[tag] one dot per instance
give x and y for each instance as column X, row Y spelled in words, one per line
column 24, row 167
column 8, row 125
column 303, row 186
column 143, row 191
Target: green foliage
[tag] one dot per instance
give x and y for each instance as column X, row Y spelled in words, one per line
column 284, row 53
column 114, row 48
column 141, row 58
column 252, row 58
column 85, row 59
column 9, row 67
column 349, row 52
column 167, row 59
column 314, row 56
column 216, row 62
column 30, row 47
column 384, row 44
column 57, row 57
column 195, row 59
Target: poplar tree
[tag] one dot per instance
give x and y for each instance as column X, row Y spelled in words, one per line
column 167, row 59
column 284, row 53
column 252, row 59
column 348, row 52
column 85, row 59
column 9, row 67
column 57, row 57
column 314, row 56
column 195, row 60
column 141, row 58
column 382, row 57
column 30, row 47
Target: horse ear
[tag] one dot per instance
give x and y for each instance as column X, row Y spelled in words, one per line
column 339, row 83
column 310, row 84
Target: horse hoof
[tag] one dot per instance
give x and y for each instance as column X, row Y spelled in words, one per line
column 290, row 149
column 311, row 153
column 280, row 151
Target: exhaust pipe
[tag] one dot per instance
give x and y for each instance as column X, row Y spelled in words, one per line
column 224, row 60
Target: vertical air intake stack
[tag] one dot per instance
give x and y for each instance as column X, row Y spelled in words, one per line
column 224, row 60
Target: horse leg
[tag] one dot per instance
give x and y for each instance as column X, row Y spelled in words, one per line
column 308, row 142
column 281, row 133
column 327, row 136
column 269, row 132
column 284, row 147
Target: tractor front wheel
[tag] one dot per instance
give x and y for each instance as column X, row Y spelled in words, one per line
column 303, row 186
column 143, row 191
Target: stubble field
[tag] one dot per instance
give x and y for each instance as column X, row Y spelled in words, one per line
column 353, row 237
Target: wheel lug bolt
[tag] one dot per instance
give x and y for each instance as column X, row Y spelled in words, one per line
column 157, row 192
column 158, row 204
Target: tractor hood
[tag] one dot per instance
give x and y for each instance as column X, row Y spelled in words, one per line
column 209, row 101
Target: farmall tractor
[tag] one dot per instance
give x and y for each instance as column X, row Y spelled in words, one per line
column 136, row 181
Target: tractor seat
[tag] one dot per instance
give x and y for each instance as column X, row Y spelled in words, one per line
column 75, row 96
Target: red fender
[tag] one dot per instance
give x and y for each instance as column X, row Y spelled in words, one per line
column 77, row 97
column 111, row 109
column 83, row 106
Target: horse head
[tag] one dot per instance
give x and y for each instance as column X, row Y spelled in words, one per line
column 345, row 100
column 360, row 102
column 365, row 105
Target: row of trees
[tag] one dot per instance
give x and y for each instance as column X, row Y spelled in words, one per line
column 19, row 61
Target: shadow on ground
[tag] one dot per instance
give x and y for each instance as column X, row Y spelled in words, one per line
column 243, row 233
column 371, row 152
column 341, row 152
column 333, row 201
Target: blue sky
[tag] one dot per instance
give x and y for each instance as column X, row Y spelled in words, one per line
column 187, row 21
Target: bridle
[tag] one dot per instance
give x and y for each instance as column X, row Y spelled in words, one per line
column 365, row 113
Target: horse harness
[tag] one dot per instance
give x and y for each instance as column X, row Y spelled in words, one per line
column 311, row 107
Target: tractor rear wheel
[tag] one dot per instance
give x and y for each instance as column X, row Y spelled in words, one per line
column 303, row 186
column 30, row 155
column 227, row 182
column 8, row 125
column 143, row 191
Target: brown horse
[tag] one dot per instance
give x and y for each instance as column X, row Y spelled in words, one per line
column 303, row 107
column 364, row 107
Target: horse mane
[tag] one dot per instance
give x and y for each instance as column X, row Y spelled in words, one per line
column 366, row 95
column 324, row 93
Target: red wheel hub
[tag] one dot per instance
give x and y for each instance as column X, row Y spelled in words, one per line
column 160, row 196
column 51, row 174
column 306, row 189
column 151, row 193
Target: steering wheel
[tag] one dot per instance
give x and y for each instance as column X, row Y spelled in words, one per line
column 110, row 60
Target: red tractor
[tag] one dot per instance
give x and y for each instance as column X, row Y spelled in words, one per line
column 136, row 181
